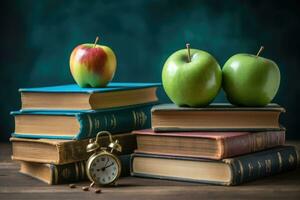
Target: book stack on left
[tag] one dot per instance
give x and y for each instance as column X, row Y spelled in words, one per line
column 55, row 123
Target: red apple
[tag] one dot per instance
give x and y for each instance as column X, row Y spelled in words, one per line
column 92, row 65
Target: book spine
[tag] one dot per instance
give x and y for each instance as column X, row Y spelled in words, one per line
column 75, row 172
column 251, row 143
column 76, row 151
column 72, row 152
column 251, row 167
column 68, row 173
column 117, row 121
column 125, row 164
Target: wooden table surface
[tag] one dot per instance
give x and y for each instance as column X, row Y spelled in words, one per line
column 14, row 185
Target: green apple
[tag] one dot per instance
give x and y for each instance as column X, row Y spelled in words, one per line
column 250, row 80
column 191, row 77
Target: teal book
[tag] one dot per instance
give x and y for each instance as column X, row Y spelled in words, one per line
column 232, row 171
column 79, row 125
column 73, row 97
column 67, row 173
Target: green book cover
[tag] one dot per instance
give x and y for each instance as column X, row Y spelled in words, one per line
column 232, row 171
column 117, row 120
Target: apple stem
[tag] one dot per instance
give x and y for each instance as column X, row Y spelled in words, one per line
column 96, row 40
column 260, row 50
column 189, row 52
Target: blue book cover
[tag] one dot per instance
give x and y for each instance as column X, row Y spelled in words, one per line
column 74, row 88
column 72, row 97
column 116, row 120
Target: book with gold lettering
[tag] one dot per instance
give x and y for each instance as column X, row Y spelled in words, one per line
column 211, row 145
column 74, row 125
column 231, row 171
column 67, row 173
column 60, row 152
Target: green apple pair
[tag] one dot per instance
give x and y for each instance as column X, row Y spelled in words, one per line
column 192, row 77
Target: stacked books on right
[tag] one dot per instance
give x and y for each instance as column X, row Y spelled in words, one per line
column 220, row 144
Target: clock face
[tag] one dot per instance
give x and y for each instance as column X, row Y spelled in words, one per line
column 104, row 169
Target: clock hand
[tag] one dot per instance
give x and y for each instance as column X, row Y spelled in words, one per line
column 106, row 162
column 103, row 168
column 109, row 165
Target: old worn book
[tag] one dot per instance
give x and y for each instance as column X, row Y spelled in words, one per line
column 212, row 145
column 55, row 174
column 73, row 97
column 62, row 151
column 67, row 173
column 78, row 125
column 216, row 117
column 231, row 171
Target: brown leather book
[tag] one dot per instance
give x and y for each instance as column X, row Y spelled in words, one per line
column 212, row 145
column 62, row 151
column 66, row 173
column 215, row 117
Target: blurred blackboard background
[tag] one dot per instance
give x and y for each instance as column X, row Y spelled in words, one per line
column 37, row 38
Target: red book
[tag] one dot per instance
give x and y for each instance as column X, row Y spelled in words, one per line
column 211, row 145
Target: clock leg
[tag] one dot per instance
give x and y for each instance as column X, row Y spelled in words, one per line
column 85, row 188
column 96, row 189
column 92, row 184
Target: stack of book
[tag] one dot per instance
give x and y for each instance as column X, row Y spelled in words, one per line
column 220, row 144
column 55, row 124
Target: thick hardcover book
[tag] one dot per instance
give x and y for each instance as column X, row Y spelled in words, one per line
column 80, row 125
column 73, row 97
column 231, row 171
column 63, row 151
column 216, row 117
column 212, row 145
column 67, row 173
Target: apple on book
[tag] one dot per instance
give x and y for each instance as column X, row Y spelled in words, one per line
column 250, row 80
column 93, row 65
column 191, row 77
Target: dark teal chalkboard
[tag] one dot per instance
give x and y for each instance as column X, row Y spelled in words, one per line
column 37, row 38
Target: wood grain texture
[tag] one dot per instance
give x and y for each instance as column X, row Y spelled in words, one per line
column 14, row 185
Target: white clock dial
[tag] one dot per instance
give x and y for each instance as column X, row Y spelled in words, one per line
column 104, row 169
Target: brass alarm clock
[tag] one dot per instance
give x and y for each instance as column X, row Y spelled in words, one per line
column 103, row 167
